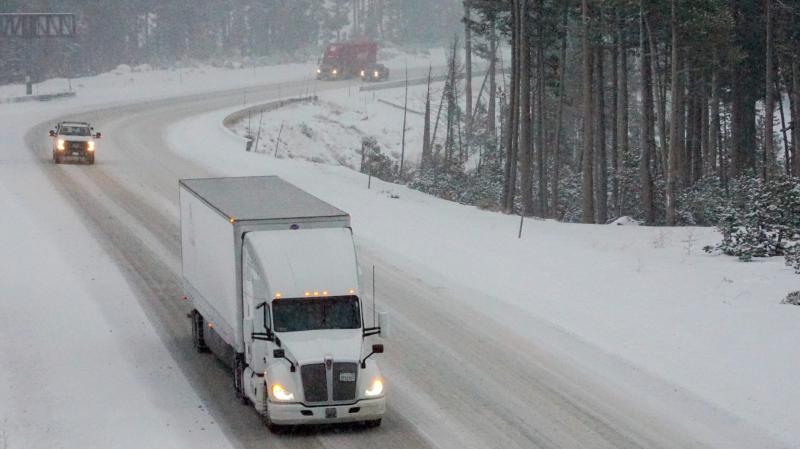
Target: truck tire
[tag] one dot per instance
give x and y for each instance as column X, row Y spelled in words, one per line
column 90, row 158
column 56, row 158
column 373, row 423
column 238, row 378
column 198, row 339
column 272, row 427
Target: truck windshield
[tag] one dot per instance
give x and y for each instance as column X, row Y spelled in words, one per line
column 305, row 314
column 75, row 131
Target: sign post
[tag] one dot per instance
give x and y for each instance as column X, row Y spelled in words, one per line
column 35, row 26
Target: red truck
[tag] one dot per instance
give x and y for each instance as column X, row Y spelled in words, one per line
column 350, row 59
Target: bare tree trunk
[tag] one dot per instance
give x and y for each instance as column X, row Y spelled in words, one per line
column 512, row 122
column 403, row 139
column 541, row 155
column 784, row 129
column 525, row 147
column 622, row 125
column 490, row 108
column 648, row 131
column 615, row 115
column 796, row 116
column 587, row 215
column 676, row 125
column 468, row 71
column 555, row 179
column 705, row 135
column 769, row 96
column 688, row 113
column 714, row 138
column 426, row 134
column 660, row 89
column 600, row 160
column 693, row 167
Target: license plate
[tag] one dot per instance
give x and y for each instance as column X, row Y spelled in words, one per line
column 347, row 377
column 75, row 153
column 330, row 413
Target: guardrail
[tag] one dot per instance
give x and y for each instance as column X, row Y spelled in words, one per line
column 412, row 82
column 241, row 114
column 41, row 97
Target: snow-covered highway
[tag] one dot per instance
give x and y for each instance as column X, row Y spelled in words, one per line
column 459, row 376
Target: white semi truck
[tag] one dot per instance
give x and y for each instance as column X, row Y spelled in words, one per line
column 272, row 275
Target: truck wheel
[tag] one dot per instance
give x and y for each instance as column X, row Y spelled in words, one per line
column 90, row 159
column 238, row 378
column 198, row 339
column 274, row 428
column 373, row 423
column 56, row 158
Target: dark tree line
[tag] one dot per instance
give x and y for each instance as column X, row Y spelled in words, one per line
column 630, row 107
column 156, row 32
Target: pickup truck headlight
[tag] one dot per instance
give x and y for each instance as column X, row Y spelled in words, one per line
column 376, row 389
column 377, row 74
column 60, row 144
column 334, row 71
column 281, row 393
column 90, row 146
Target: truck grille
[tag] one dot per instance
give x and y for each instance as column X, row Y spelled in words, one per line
column 344, row 381
column 342, row 378
column 315, row 382
column 76, row 146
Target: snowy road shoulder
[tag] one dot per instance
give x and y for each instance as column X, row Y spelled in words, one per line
column 82, row 366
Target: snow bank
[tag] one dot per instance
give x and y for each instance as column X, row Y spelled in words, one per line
column 80, row 364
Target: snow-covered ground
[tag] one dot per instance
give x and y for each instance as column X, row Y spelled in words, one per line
column 711, row 327
column 330, row 130
column 80, row 363
column 126, row 83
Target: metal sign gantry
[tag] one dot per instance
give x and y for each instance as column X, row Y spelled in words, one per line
column 31, row 26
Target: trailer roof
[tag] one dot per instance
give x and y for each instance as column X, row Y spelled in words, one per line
column 259, row 198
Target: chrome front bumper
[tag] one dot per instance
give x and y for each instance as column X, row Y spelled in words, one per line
column 291, row 414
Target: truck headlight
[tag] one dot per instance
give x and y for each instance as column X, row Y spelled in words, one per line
column 334, row 71
column 376, row 389
column 90, row 146
column 319, row 71
column 281, row 394
column 362, row 73
column 377, row 74
column 60, row 144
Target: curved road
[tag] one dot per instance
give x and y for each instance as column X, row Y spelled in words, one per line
column 458, row 378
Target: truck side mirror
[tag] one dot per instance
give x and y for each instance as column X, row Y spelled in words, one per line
column 376, row 349
column 97, row 136
column 383, row 323
column 52, row 133
column 281, row 354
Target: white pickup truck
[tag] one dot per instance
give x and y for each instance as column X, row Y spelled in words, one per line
column 73, row 140
column 272, row 275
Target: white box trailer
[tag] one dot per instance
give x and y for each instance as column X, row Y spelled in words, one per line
column 271, row 270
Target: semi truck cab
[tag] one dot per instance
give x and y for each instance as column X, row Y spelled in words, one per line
column 272, row 276
column 306, row 326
